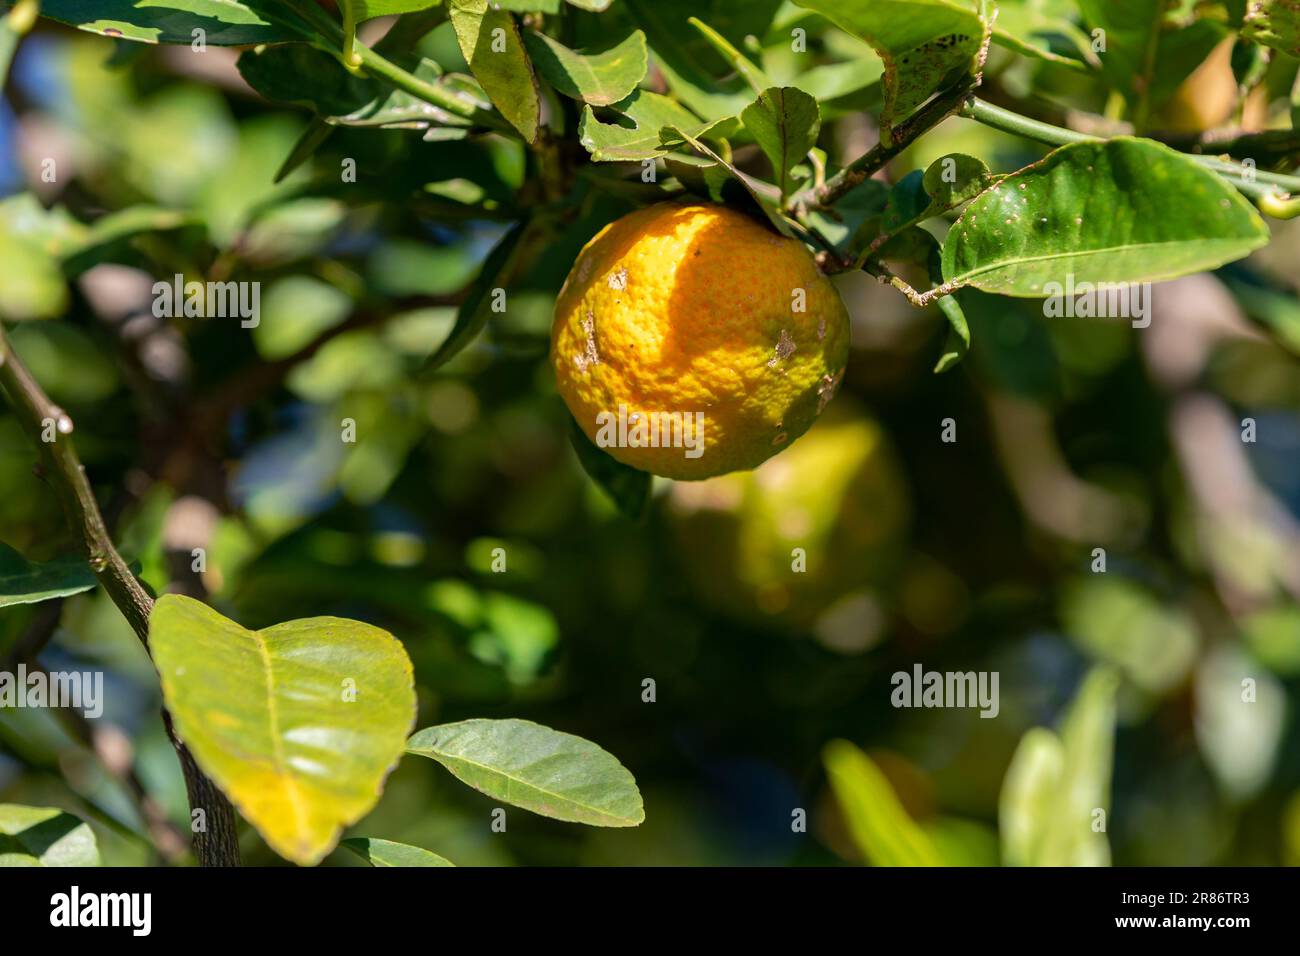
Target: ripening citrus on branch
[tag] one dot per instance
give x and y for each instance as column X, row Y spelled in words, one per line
column 691, row 341
column 787, row 542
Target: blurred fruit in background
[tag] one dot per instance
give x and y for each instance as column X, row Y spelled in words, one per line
column 818, row 525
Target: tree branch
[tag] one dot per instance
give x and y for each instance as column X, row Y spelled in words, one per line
column 51, row 429
column 1247, row 181
column 929, row 116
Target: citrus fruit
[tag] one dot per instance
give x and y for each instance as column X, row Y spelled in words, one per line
column 838, row 496
column 690, row 341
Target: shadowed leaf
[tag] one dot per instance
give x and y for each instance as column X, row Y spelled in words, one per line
column 44, row 836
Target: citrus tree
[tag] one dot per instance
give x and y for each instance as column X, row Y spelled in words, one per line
column 650, row 203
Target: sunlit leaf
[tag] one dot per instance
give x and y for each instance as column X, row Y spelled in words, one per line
column 600, row 79
column 298, row 724
column 643, row 115
column 926, row 44
column 525, row 764
column 1056, row 794
column 222, row 22
column 369, row 9
column 880, row 826
column 44, row 836
column 388, row 853
column 1124, row 210
column 490, row 42
column 785, row 122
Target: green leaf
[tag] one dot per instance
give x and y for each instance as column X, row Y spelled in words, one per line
column 879, row 825
column 22, row 582
column 489, row 40
column 600, row 79
column 947, row 183
column 855, row 219
column 294, row 311
column 627, row 487
column 223, row 22
column 298, row 724
column 685, row 56
column 312, row 138
column 703, row 177
column 958, row 343
column 1029, row 795
column 525, row 764
column 528, row 6
column 1148, row 51
column 785, row 122
column 44, row 836
column 1055, row 786
column 387, row 853
column 926, row 44
column 949, row 306
column 1274, row 23
column 908, row 203
column 1278, row 312
column 369, row 9
column 754, row 76
column 472, row 315
column 302, row 75
column 764, row 195
column 31, row 283
column 299, row 74
column 954, row 179
column 646, row 114
column 1295, row 102
column 1126, row 210
column 1044, row 29
column 43, row 248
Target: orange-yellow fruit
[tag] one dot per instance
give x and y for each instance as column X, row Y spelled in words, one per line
column 690, row 341
column 790, row 540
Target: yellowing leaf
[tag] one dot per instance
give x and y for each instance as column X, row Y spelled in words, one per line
column 298, row 723
column 876, row 819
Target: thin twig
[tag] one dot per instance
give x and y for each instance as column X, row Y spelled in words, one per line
column 51, row 429
column 862, row 168
column 1007, row 121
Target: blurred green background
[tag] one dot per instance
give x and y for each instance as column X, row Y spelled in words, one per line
column 1072, row 435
